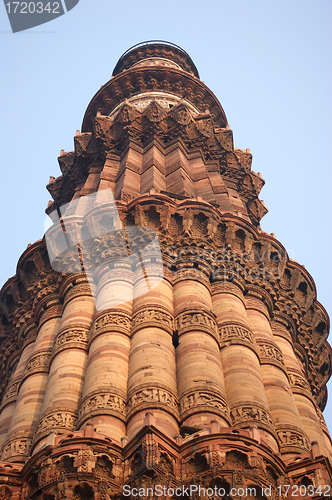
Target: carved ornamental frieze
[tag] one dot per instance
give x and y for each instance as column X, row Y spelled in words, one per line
column 203, row 400
column 155, row 317
column 145, row 397
column 236, row 334
column 245, row 413
column 57, row 421
column 193, row 319
column 71, row 338
column 104, row 401
column 292, row 439
column 38, row 363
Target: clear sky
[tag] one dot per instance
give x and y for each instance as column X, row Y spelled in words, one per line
column 269, row 64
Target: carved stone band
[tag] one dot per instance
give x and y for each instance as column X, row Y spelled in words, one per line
column 152, row 317
column 53, row 311
column 196, row 320
column 38, row 363
column 246, row 414
column 299, row 385
column 267, row 351
column 79, row 290
column 111, row 321
column 152, row 397
column 322, row 420
column 106, row 402
column 292, row 439
column 11, row 393
column 58, row 420
column 236, row 334
column 270, row 354
column 226, row 287
column 203, row 401
column 71, row 338
column 17, row 447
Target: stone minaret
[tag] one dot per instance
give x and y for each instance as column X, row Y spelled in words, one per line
column 216, row 374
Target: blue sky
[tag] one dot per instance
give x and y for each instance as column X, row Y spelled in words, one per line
column 269, row 64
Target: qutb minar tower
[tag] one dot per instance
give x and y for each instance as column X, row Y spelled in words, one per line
column 156, row 342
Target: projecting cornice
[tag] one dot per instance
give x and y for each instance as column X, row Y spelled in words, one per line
column 139, row 80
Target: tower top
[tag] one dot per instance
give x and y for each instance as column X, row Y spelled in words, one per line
column 156, row 53
column 151, row 69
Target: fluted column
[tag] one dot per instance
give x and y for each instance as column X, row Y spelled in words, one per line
column 11, row 394
column 243, row 378
column 67, row 362
column 33, row 384
column 105, row 387
column 199, row 373
column 152, row 372
column 291, row 435
column 300, row 388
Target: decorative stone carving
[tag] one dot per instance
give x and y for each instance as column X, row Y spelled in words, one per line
column 182, row 115
column 38, row 363
column 151, row 396
column 69, row 337
column 58, row 419
column 298, row 383
column 270, row 354
column 11, row 392
column 247, row 413
column 193, row 319
column 208, row 399
column 85, row 460
column 105, row 401
column 17, row 446
column 205, row 126
column 127, row 114
column 154, row 316
column 154, row 112
column 234, row 333
column 292, row 440
column 252, row 303
column 111, row 320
